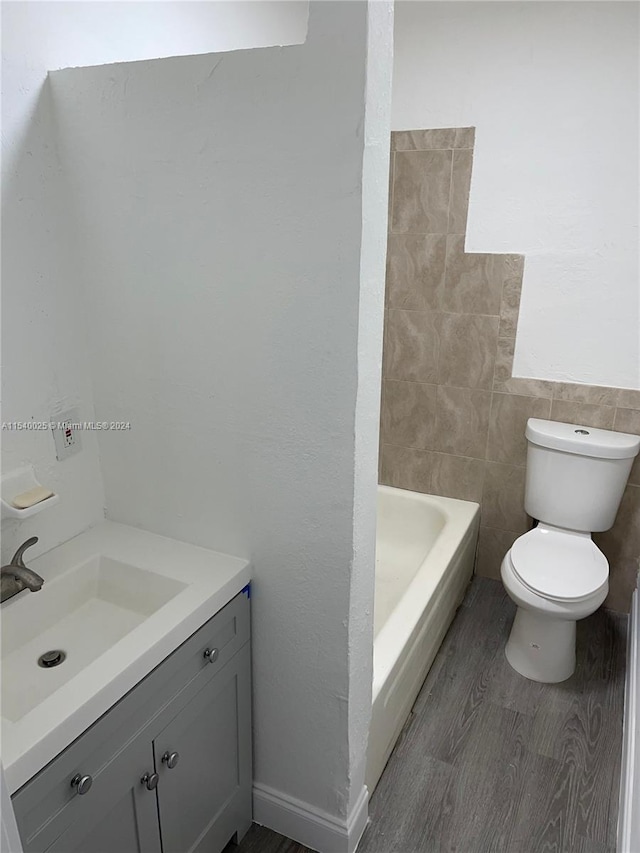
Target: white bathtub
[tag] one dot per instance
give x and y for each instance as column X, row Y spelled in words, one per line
column 425, row 548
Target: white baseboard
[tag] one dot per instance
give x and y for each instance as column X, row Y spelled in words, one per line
column 308, row 825
column 629, row 812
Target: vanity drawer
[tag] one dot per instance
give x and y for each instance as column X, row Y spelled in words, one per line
column 47, row 805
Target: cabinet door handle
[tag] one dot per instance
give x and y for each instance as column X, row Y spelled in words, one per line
column 170, row 759
column 211, row 655
column 81, row 783
column 150, row 780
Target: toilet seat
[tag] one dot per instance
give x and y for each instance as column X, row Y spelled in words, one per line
column 559, row 565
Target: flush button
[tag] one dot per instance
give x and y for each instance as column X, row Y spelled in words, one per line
column 581, row 431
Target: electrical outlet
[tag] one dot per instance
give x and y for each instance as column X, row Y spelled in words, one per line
column 66, row 434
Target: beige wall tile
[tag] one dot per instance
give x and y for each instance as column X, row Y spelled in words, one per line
column 598, row 395
column 467, row 350
column 415, row 270
column 473, row 282
column 504, row 382
column 525, row 387
column 583, row 414
column 627, row 398
column 457, row 477
column 406, row 468
column 449, row 397
column 623, row 579
column 460, row 184
column 411, row 346
column 628, row 420
column 503, row 498
column 462, row 421
column 492, row 546
column 420, row 140
column 511, row 290
column 408, row 414
column 390, row 202
column 421, row 185
column 504, row 363
column 509, row 415
column 465, row 137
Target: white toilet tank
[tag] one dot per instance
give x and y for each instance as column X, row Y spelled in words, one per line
column 576, row 475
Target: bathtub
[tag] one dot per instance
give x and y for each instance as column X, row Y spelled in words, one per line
column 425, row 549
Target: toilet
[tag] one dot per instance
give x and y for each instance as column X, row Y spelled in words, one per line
column 555, row 573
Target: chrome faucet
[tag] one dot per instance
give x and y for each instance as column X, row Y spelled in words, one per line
column 16, row 576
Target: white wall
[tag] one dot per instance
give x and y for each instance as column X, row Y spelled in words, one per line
column 44, row 348
column 221, row 205
column 375, row 192
column 44, row 344
column 552, row 89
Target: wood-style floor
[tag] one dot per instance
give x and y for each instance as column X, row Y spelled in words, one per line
column 489, row 762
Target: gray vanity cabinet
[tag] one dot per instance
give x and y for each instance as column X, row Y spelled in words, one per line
column 196, row 797
column 168, row 767
column 121, row 815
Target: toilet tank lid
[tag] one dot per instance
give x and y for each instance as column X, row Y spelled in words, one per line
column 582, row 440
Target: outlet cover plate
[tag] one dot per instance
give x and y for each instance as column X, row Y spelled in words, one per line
column 66, row 433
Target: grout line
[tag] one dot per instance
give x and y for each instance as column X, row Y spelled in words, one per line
column 501, row 314
column 443, row 453
column 450, row 196
column 422, row 150
column 438, row 385
column 424, row 233
column 484, row 464
column 419, row 150
column 486, row 444
column 392, row 173
column 528, row 396
column 443, row 290
column 383, row 371
column 454, row 314
column 455, row 234
column 493, row 384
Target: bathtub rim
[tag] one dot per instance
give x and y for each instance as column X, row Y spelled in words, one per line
column 405, row 617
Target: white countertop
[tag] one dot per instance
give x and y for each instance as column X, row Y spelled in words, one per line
column 212, row 580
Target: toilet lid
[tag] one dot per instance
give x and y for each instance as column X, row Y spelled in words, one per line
column 560, row 565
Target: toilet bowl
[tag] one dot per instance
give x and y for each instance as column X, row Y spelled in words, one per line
column 555, row 573
column 555, row 577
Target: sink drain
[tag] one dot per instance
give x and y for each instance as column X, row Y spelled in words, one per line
column 53, row 658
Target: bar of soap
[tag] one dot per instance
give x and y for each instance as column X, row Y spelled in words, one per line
column 33, row 496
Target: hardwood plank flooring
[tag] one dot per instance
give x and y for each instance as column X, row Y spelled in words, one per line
column 490, row 762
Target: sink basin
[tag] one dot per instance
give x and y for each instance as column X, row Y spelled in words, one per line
column 82, row 613
column 116, row 601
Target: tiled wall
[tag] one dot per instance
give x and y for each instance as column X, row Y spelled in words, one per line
column 453, row 417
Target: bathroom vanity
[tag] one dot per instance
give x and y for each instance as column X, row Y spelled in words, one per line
column 165, row 767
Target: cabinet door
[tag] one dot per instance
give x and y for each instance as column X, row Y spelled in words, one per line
column 118, row 813
column 206, row 797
